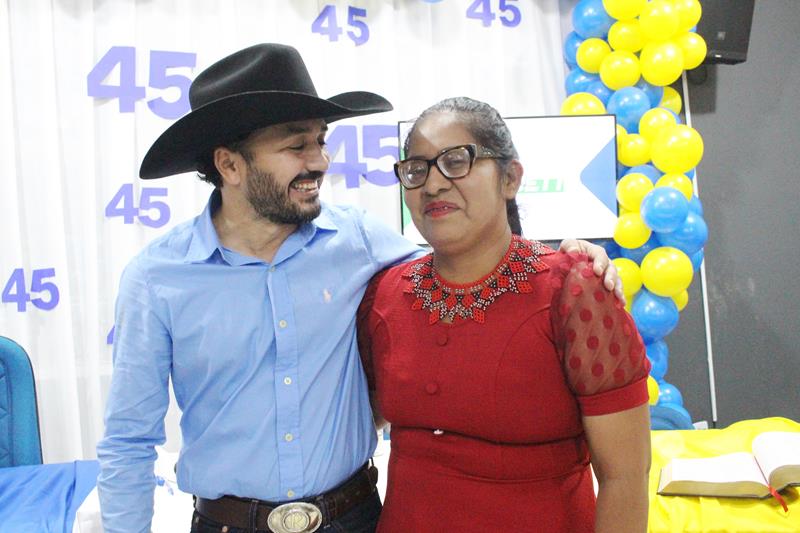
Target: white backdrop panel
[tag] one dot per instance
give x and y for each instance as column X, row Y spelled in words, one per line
column 72, row 210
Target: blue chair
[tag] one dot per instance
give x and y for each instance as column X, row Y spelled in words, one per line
column 19, row 420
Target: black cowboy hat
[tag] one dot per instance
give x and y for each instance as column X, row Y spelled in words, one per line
column 256, row 87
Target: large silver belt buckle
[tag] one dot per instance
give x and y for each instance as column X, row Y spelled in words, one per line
column 296, row 517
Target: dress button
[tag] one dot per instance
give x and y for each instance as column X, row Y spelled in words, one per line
column 432, row 387
column 442, row 338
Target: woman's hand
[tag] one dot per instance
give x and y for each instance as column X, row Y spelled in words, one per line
column 601, row 263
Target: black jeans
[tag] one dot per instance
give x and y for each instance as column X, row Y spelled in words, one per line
column 363, row 518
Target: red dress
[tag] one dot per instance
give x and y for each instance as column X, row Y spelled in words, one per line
column 485, row 412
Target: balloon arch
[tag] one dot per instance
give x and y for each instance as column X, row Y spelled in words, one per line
column 623, row 55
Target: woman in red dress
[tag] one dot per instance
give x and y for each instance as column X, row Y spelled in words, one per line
column 504, row 367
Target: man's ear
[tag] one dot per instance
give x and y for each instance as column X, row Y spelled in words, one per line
column 512, row 180
column 230, row 165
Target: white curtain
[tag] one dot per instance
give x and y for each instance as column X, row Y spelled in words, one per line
column 72, row 210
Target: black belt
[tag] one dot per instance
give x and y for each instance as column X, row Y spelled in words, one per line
column 299, row 516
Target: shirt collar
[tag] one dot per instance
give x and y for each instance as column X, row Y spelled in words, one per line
column 205, row 241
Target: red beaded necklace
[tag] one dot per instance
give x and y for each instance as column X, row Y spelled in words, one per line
column 450, row 301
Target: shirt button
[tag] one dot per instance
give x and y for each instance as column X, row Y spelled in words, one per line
column 272, row 269
column 290, row 493
column 287, row 381
column 282, row 323
column 432, row 387
column 442, row 338
column 288, row 437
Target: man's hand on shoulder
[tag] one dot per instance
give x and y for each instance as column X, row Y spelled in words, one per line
column 602, row 264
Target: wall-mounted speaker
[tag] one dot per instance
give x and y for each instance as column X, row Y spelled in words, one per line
column 725, row 26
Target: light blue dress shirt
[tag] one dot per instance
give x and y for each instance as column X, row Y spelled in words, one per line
column 263, row 360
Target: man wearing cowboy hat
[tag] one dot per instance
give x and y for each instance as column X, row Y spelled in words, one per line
column 249, row 308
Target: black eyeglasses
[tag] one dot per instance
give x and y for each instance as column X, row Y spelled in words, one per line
column 454, row 162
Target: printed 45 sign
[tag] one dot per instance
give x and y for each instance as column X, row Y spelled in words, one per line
column 17, row 291
column 378, row 141
column 128, row 93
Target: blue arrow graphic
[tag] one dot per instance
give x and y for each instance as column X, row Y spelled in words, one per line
column 595, row 176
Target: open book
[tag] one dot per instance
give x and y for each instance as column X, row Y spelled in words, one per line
column 775, row 462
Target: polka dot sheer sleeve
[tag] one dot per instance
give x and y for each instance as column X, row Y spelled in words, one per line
column 602, row 352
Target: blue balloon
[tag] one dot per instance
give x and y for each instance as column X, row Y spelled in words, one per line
column 599, row 89
column 611, row 247
column 690, row 173
column 628, row 104
column 571, row 44
column 648, row 170
column 664, row 209
column 655, row 316
column 578, row 81
column 697, row 259
column 696, row 206
column 669, row 393
column 654, row 93
column 689, row 237
column 670, row 416
column 590, row 19
column 637, row 254
column 658, row 354
column 621, row 170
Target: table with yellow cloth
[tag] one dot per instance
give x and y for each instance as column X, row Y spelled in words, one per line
column 685, row 514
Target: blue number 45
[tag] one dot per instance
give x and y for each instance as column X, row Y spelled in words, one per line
column 127, row 92
column 16, row 291
column 482, row 10
column 326, row 24
column 123, row 205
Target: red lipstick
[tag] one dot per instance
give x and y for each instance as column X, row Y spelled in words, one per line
column 439, row 209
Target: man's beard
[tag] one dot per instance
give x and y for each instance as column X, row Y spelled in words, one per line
column 272, row 202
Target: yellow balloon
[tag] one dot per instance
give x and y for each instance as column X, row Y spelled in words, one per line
column 676, row 181
column 694, row 49
column 621, row 133
column 583, row 104
column 628, row 271
column 677, row 149
column 631, row 189
column 620, row 69
column 659, row 20
column 624, row 9
column 666, row 271
column 681, row 300
column 634, row 150
column 626, row 35
column 652, row 390
column 689, row 13
column 661, row 63
column 671, row 100
column 654, row 121
column 591, row 53
column 631, row 231
column 623, row 211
